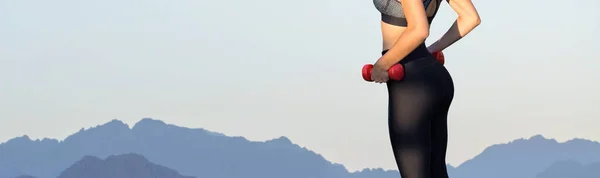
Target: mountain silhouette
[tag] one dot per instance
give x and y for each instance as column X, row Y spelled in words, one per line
column 525, row 158
column 571, row 169
column 202, row 153
column 195, row 152
column 120, row 166
column 24, row 176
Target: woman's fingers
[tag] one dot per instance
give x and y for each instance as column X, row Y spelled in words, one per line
column 376, row 78
column 379, row 78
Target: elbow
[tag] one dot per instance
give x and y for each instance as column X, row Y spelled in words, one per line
column 421, row 33
column 473, row 21
column 476, row 21
column 468, row 23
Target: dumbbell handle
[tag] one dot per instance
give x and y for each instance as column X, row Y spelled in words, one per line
column 396, row 72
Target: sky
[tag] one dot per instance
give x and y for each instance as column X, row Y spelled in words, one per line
column 264, row 69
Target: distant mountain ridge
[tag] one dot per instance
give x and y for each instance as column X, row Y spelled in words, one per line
column 194, row 152
column 525, row 158
column 571, row 169
column 25, row 176
column 119, row 166
column 202, row 153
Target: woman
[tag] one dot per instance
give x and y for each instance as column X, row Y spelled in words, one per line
column 418, row 105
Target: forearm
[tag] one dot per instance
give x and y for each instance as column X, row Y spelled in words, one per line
column 406, row 43
column 458, row 30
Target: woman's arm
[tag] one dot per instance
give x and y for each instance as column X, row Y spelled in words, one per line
column 415, row 33
column 467, row 20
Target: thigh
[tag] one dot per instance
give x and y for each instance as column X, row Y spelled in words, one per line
column 411, row 110
column 439, row 127
column 439, row 143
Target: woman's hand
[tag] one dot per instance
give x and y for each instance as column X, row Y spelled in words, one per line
column 379, row 74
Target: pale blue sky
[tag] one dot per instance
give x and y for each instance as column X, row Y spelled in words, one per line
column 266, row 68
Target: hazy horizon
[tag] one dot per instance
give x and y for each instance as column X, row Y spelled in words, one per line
column 258, row 70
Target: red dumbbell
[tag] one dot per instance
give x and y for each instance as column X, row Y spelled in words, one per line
column 439, row 56
column 396, row 72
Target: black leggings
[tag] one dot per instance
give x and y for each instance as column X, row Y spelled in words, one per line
column 418, row 116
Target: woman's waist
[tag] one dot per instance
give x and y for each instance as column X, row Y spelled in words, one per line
column 419, row 61
column 420, row 53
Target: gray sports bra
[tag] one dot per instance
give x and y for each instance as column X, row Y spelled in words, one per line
column 392, row 13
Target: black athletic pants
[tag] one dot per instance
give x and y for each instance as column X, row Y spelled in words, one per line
column 418, row 110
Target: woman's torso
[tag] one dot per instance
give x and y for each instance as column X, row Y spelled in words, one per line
column 393, row 21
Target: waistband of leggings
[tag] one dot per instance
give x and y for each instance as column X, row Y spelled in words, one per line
column 419, row 54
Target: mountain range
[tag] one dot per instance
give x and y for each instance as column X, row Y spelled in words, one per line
column 120, row 166
column 179, row 152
